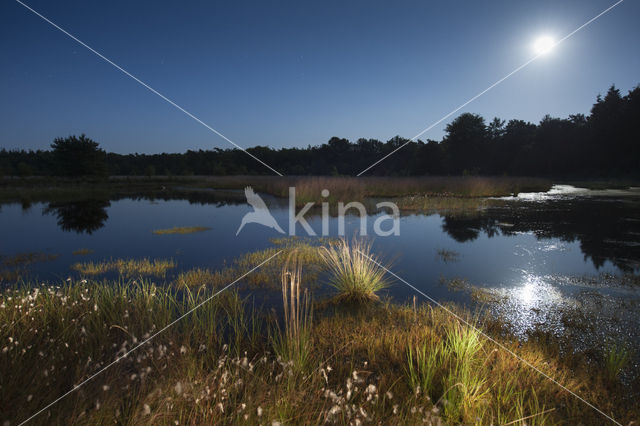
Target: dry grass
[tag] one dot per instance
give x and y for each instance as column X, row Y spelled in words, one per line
column 180, row 230
column 308, row 188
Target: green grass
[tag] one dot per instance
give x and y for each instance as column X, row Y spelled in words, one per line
column 180, row 230
column 355, row 270
column 616, row 358
column 423, row 364
column 126, row 267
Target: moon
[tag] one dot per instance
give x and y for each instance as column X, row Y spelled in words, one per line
column 543, row 44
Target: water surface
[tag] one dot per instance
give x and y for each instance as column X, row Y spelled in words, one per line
column 543, row 254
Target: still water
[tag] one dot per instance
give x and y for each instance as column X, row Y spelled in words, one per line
column 542, row 255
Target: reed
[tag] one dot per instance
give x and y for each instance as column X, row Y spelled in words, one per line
column 349, row 188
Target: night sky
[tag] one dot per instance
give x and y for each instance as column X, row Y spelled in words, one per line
column 297, row 73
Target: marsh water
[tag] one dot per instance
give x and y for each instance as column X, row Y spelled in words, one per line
column 543, row 259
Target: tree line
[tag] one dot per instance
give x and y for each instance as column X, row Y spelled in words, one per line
column 605, row 143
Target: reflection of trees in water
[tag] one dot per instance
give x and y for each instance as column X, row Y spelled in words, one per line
column 193, row 196
column 80, row 216
column 89, row 215
column 607, row 229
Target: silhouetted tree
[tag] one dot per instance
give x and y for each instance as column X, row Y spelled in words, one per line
column 464, row 141
column 78, row 156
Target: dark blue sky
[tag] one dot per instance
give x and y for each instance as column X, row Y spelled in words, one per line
column 297, row 73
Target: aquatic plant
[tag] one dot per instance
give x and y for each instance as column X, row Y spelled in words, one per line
column 355, row 271
column 448, row 256
column 126, row 267
column 180, row 230
column 82, row 252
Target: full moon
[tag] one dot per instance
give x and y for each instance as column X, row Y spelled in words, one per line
column 543, row 45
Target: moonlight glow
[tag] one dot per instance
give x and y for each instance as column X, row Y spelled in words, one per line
column 543, row 45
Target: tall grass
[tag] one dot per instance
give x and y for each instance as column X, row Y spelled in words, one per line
column 355, row 270
column 465, row 381
column 294, row 344
column 423, row 364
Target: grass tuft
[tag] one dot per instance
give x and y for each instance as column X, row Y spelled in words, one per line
column 355, row 273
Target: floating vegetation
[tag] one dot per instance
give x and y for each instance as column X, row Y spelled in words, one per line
column 82, row 252
column 126, row 267
column 199, row 277
column 180, row 230
column 28, row 258
column 13, row 268
column 269, row 275
column 456, row 283
column 448, row 256
column 442, row 203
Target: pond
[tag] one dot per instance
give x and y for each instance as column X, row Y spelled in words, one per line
column 542, row 256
